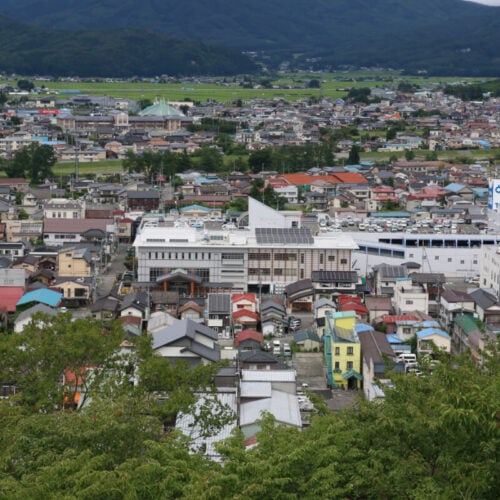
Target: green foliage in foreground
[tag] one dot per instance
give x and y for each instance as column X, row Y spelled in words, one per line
column 433, row 437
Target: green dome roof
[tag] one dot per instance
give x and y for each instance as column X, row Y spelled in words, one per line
column 160, row 108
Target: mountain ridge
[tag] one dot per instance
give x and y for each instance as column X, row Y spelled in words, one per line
column 415, row 34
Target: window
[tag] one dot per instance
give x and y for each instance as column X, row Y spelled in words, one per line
column 331, row 258
column 301, row 258
column 462, row 262
column 343, row 261
column 337, row 351
column 278, row 272
column 321, row 259
column 350, row 351
column 337, row 365
column 302, row 274
column 350, row 365
column 436, row 257
column 408, row 302
column 449, row 259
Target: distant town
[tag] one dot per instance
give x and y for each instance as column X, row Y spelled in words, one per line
column 324, row 275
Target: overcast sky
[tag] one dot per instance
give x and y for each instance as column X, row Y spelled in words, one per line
column 486, row 2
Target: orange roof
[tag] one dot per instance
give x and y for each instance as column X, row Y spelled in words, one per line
column 242, row 313
column 244, row 296
column 344, row 299
column 351, row 178
column 248, row 334
column 392, row 318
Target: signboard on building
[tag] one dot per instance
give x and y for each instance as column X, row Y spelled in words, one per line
column 494, row 194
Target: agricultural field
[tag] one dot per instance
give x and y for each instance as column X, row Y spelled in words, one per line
column 333, row 85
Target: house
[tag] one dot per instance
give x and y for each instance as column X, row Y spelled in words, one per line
column 62, row 208
column 410, row 297
column 42, row 296
column 25, row 317
column 377, row 354
column 191, row 310
column 377, row 306
column 342, row 351
column 334, row 281
column 430, row 338
column 248, row 340
column 386, row 277
column 255, row 359
column 467, row 337
column 308, row 341
column 105, row 308
column 75, row 262
column 300, row 295
column 186, row 340
column 77, row 291
column 219, row 313
column 454, row 303
column 142, row 201
column 486, row 306
column 268, row 391
column 246, row 301
column 136, row 304
column 58, row 232
column 321, row 306
column 248, row 319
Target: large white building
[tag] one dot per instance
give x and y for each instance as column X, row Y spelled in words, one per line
column 272, row 252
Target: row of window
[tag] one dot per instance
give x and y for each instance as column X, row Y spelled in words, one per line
column 350, row 351
column 349, row 365
column 180, row 255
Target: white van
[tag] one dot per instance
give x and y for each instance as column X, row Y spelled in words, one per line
column 407, row 357
column 276, row 347
column 287, row 351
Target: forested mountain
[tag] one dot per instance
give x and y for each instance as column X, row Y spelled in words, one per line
column 445, row 36
column 119, row 52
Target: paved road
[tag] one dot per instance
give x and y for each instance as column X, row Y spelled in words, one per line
column 106, row 280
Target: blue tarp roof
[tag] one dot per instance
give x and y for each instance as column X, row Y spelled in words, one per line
column 432, row 331
column 44, row 296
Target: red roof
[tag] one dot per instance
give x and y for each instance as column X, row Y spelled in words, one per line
column 244, row 313
column 248, row 334
column 244, row 296
column 9, row 297
column 392, row 318
column 358, row 308
column 344, row 299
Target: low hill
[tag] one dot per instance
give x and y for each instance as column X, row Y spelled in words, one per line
column 119, row 52
column 445, row 36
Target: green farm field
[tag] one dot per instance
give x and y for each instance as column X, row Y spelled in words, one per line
column 333, row 85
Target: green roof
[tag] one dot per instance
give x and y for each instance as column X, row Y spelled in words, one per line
column 161, row 108
column 467, row 323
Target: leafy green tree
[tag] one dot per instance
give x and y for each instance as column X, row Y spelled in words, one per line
column 314, row 84
column 260, row 160
column 354, row 157
column 34, row 162
column 36, row 359
column 25, row 85
column 409, row 154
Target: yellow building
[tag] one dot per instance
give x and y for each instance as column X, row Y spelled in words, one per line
column 74, row 262
column 342, row 350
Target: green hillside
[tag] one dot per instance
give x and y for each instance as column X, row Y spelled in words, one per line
column 118, row 52
column 445, row 37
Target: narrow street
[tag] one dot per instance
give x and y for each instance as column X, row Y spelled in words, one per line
column 106, row 280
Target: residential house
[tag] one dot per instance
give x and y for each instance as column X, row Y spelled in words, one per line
column 342, row 351
column 25, row 317
column 142, row 201
column 249, row 340
column 76, row 291
column 62, row 208
column 321, row 306
column 186, row 340
column 75, row 262
column 219, row 313
column 429, row 339
column 409, row 297
column 468, row 337
column 105, row 308
column 486, row 306
column 454, row 303
column 334, row 282
column 386, row 277
column 377, row 356
column 377, row 306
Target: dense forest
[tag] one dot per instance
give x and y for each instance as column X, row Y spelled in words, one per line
column 452, row 37
column 435, row 436
column 104, row 52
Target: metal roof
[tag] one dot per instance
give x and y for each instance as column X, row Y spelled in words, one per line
column 283, row 236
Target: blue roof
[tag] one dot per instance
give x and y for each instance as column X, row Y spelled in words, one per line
column 432, row 331
column 194, row 207
column 394, row 339
column 43, row 295
column 390, row 214
column 454, row 187
column 363, row 327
